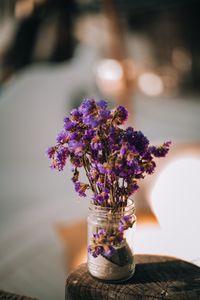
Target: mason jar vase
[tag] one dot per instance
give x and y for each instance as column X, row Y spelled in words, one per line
column 110, row 245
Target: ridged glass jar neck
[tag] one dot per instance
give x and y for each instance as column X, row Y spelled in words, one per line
column 109, row 212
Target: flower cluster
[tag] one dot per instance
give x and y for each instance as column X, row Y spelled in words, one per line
column 114, row 159
column 105, row 240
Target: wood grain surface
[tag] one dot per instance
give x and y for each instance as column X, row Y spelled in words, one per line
column 10, row 296
column 156, row 277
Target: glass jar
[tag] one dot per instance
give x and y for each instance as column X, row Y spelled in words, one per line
column 110, row 242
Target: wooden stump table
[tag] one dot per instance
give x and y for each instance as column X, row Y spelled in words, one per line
column 156, row 277
column 4, row 295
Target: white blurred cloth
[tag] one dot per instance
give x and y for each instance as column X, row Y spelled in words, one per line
column 32, row 197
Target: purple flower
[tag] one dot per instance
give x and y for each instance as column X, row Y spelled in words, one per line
column 96, row 119
column 76, row 147
column 94, row 114
column 101, row 198
column 149, row 167
column 113, row 158
column 68, row 124
column 121, row 115
column 81, row 188
column 123, row 150
column 62, row 137
column 76, row 115
column 101, row 168
column 96, row 145
column 87, row 107
column 115, row 138
column 74, row 136
column 95, row 250
column 76, row 161
column 133, row 187
column 140, row 142
column 50, row 152
column 129, row 132
column 126, row 222
column 162, row 150
column 89, row 134
column 61, row 157
column 103, row 116
column 100, row 184
column 91, row 121
column 135, row 167
column 104, row 241
column 119, row 237
column 90, row 249
column 93, row 174
column 102, row 104
column 102, row 232
column 108, row 250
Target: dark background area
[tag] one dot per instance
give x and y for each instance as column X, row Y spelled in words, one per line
column 167, row 24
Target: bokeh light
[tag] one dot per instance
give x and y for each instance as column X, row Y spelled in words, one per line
column 109, row 69
column 150, row 84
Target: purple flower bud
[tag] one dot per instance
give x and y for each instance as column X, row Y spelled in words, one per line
column 93, row 174
column 61, row 157
column 160, row 151
column 51, row 151
column 102, row 104
column 76, row 147
column 101, row 168
column 108, row 250
column 123, row 151
column 76, row 115
column 96, row 144
column 97, row 251
column 95, row 235
column 90, row 121
column 102, row 232
column 81, row 188
column 62, row 137
column 121, row 115
column 68, row 124
column 129, row 132
column 132, row 186
column 90, row 249
column 140, row 142
column 89, row 134
column 149, row 167
column 87, row 107
column 126, row 222
column 74, row 136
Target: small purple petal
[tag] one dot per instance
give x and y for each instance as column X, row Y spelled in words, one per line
column 108, row 251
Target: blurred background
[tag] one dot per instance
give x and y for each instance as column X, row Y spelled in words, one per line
column 142, row 54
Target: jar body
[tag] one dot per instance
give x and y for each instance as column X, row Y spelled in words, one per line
column 110, row 242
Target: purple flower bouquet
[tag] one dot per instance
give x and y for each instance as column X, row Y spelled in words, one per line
column 114, row 160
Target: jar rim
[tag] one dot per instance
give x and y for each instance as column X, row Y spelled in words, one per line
column 130, row 205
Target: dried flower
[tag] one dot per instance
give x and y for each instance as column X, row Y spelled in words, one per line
column 114, row 160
